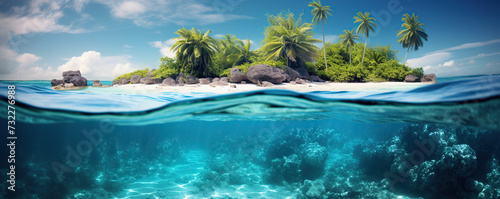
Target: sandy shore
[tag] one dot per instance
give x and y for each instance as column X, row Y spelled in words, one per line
column 309, row 87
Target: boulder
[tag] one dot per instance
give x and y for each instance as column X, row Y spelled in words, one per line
column 180, row 76
column 237, row 75
column 412, row 78
column 68, row 85
column 180, row 82
column 96, row 83
column 77, row 81
column 430, row 78
column 191, row 80
column 300, row 81
column 142, row 80
column 116, row 81
column 56, row 82
column 291, row 74
column 303, row 73
column 168, row 82
column 135, row 79
column 204, row 80
column 219, row 82
column 243, row 82
column 265, row 84
column 74, row 77
column 125, row 81
column 315, row 78
column 149, row 80
column 157, row 80
column 71, row 73
column 263, row 72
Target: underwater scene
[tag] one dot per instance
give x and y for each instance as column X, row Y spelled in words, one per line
column 436, row 141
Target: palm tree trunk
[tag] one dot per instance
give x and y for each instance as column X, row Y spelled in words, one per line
column 350, row 54
column 406, row 55
column 363, row 59
column 324, row 44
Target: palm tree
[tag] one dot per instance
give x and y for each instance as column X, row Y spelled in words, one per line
column 411, row 34
column 290, row 39
column 195, row 48
column 348, row 39
column 228, row 49
column 366, row 23
column 244, row 52
column 321, row 13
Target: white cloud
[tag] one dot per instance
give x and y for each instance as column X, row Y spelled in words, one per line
column 165, row 47
column 449, row 63
column 471, row 61
column 331, row 38
column 127, row 46
column 128, row 9
column 429, row 59
column 91, row 64
column 472, row 45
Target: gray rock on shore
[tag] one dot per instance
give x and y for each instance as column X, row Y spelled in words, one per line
column 429, row 78
column 412, row 78
column 135, row 79
column 96, row 83
column 204, row 80
column 56, row 82
column 237, row 75
column 263, row 72
column 190, row 79
column 168, row 82
column 74, row 77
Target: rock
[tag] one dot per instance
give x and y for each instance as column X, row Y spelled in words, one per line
column 125, row 81
column 313, row 189
column 431, row 78
column 68, row 85
column 458, row 160
column 142, row 80
column 300, row 81
column 70, row 73
column 150, row 73
column 315, row 78
column 180, row 82
column 56, row 82
column 191, row 80
column 237, row 75
column 291, row 74
column 180, row 76
column 135, row 79
column 412, row 78
column 149, row 80
column 219, row 82
column 232, row 86
column 293, row 82
column 157, row 80
column 204, row 80
column 243, row 82
column 266, row 84
column 267, row 73
column 303, row 73
column 168, row 82
column 74, row 77
column 96, row 83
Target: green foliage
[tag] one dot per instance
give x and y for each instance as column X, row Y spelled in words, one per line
column 167, row 68
column 142, row 73
column 412, row 33
column 380, row 65
column 419, row 72
column 280, row 64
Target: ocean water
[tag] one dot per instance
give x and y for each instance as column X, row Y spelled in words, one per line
column 436, row 141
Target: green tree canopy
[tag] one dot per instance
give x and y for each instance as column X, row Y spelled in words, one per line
column 412, row 33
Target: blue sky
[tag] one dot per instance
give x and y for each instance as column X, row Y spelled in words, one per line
column 104, row 38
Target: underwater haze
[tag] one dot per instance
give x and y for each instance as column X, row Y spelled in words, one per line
column 436, row 141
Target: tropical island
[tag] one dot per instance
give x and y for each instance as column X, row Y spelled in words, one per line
column 289, row 54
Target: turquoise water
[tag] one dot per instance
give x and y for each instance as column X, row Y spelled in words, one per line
column 437, row 141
